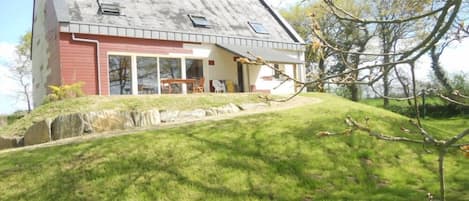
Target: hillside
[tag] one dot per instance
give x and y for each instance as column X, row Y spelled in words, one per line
column 271, row 156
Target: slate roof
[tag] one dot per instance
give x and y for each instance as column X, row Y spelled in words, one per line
column 227, row 17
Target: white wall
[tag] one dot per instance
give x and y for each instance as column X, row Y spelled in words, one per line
column 225, row 68
column 263, row 78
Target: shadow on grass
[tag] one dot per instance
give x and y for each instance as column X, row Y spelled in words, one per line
column 262, row 157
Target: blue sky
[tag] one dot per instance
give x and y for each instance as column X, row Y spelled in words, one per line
column 15, row 20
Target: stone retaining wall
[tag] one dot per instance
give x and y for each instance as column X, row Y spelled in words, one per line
column 79, row 124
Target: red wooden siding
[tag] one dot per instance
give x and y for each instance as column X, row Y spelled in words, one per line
column 78, row 59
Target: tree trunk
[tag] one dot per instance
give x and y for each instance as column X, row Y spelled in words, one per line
column 386, row 88
column 441, row 171
column 355, row 92
column 405, row 87
column 438, row 70
column 322, row 74
column 28, row 99
column 386, row 70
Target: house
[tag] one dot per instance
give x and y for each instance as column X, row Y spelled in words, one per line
column 145, row 46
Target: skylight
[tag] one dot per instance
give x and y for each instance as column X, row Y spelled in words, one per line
column 258, row 28
column 199, row 21
column 110, row 9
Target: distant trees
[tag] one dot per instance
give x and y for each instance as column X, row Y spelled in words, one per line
column 386, row 34
column 21, row 69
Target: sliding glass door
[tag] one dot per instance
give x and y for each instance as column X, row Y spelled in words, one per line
column 170, row 69
column 147, row 71
column 120, row 75
column 153, row 75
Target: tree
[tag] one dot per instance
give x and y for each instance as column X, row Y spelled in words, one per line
column 441, row 16
column 21, row 69
column 330, row 62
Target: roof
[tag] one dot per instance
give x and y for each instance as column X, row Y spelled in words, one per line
column 227, row 18
column 268, row 54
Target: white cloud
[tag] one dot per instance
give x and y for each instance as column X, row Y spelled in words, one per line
column 453, row 60
column 456, row 59
column 7, row 52
column 8, row 87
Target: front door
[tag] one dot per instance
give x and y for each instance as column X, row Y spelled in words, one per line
column 240, row 77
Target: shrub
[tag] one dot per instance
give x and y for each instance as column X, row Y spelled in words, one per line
column 65, row 92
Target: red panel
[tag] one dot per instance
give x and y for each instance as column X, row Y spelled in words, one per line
column 78, row 59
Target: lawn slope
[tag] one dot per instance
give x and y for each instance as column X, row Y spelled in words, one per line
column 271, row 156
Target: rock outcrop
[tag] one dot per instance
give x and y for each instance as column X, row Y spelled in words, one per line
column 110, row 120
column 66, row 126
column 147, row 118
column 79, row 124
column 38, row 133
column 11, row 142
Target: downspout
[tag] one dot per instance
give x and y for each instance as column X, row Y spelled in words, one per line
column 97, row 57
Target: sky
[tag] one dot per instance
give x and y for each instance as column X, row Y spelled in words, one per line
column 15, row 20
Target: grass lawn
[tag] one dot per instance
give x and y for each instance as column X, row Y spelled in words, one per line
column 125, row 103
column 272, row 156
column 378, row 102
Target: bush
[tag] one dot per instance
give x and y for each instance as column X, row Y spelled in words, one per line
column 435, row 107
column 432, row 110
column 65, row 92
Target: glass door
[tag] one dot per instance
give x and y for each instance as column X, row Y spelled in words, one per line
column 120, row 75
column 171, row 75
column 147, row 74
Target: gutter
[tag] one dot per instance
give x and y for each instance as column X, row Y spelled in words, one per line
column 97, row 57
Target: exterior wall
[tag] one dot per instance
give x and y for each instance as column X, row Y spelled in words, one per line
column 78, row 59
column 78, row 62
column 45, row 50
column 261, row 79
column 225, row 68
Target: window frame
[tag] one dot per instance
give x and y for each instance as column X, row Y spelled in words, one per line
column 262, row 29
column 134, row 69
column 195, row 21
column 112, row 9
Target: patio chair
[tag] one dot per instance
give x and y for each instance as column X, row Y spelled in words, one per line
column 200, row 85
column 219, row 86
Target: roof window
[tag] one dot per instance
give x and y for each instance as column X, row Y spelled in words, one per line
column 199, row 21
column 258, row 28
column 109, row 9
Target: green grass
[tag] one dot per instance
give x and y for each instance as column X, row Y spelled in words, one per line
column 125, row 103
column 272, row 156
column 378, row 102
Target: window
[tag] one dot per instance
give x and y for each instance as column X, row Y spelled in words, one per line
column 109, row 9
column 199, row 21
column 170, row 68
column 194, row 68
column 278, row 71
column 120, row 77
column 258, row 28
column 139, row 74
column 147, row 73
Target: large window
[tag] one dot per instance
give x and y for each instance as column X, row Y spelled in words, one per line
column 170, row 69
column 134, row 74
column 194, row 68
column 120, row 77
column 147, row 71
